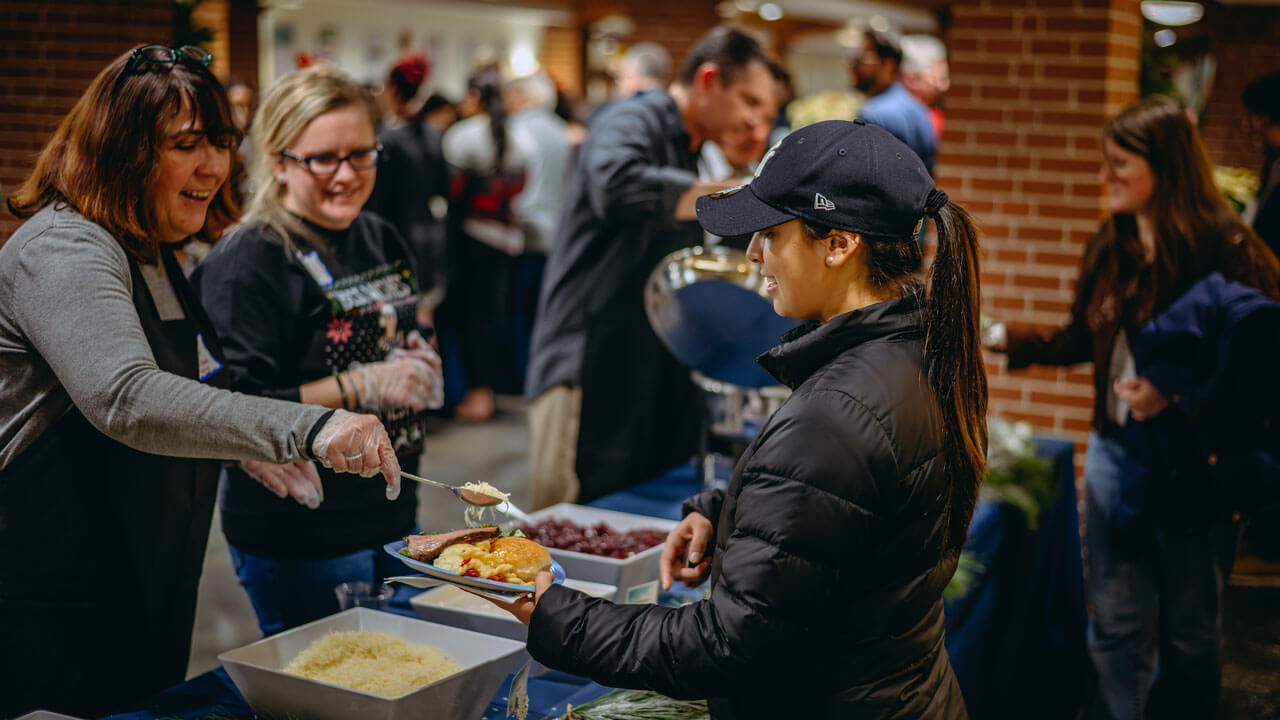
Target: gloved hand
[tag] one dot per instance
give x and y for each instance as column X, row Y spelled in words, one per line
column 299, row 480
column 404, row 380
column 350, row 442
column 419, row 348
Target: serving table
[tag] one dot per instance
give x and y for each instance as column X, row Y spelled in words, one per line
column 1016, row 637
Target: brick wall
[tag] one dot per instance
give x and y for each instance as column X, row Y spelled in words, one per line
column 673, row 24
column 48, row 54
column 1245, row 42
column 1032, row 83
column 561, row 57
column 235, row 37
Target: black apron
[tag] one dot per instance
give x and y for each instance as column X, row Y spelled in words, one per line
column 101, row 548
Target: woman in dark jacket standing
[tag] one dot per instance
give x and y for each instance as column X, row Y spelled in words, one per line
column 845, row 516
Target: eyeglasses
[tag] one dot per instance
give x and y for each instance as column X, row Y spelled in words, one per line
column 165, row 55
column 325, row 164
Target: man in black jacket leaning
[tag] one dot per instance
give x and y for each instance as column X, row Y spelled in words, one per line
column 610, row 406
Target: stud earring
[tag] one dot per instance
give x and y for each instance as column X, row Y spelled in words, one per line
column 830, row 259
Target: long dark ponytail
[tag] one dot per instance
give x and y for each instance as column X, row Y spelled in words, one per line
column 487, row 85
column 956, row 372
column 952, row 308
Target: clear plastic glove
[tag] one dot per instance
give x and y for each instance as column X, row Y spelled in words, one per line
column 401, row 381
column 349, row 442
column 297, row 480
column 419, row 348
column 684, row 556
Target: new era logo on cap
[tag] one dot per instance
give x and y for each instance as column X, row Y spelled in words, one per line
column 820, row 202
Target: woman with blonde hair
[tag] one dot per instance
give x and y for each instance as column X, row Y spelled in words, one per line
column 314, row 300
column 112, row 405
column 1159, row 530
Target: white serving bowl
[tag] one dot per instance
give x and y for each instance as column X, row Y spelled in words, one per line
column 486, row 660
column 449, row 605
column 636, row 577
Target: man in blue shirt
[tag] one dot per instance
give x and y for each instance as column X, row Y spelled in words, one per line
column 876, row 72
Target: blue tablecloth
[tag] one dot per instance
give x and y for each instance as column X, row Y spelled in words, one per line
column 1016, row 639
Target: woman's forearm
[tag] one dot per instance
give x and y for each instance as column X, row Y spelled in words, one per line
column 340, row 391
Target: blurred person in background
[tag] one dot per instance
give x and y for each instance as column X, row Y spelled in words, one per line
column 411, row 192
column 828, row 553
column 610, row 407
column 112, row 399
column 244, row 101
column 543, row 140
column 1160, row 537
column 487, row 173
column 877, row 72
column 926, row 75
column 314, row 302
column 1261, row 101
column 438, row 112
column 645, row 66
column 400, row 92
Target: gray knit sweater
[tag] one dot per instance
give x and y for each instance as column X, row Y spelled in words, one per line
column 70, row 335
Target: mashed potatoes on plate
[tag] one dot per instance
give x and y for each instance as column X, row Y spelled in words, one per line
column 372, row 662
column 509, row 559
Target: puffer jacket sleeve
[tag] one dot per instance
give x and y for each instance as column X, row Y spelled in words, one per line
column 707, row 504
column 803, row 504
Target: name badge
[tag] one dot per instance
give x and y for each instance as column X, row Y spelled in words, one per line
column 207, row 363
column 316, row 269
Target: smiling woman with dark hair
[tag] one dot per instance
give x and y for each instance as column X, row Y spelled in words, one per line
column 111, row 380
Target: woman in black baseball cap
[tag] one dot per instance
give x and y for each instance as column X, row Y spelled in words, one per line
column 845, row 517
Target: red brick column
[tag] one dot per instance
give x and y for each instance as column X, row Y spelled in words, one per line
column 1032, row 83
column 48, row 54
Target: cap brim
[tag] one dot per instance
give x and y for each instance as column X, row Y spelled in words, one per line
column 737, row 213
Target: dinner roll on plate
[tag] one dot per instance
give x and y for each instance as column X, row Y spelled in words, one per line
column 523, row 554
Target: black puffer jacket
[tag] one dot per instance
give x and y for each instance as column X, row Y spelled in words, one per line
column 829, row 559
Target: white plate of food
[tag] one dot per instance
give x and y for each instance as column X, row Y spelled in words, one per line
column 477, row 558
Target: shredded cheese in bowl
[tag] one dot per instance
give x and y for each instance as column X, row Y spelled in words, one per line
column 372, row 662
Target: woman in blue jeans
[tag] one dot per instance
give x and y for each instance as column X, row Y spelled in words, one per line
column 1160, row 537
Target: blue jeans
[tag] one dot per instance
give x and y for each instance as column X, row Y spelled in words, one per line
column 1159, row 596
column 289, row 593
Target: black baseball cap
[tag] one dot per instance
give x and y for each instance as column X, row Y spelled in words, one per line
column 847, row 175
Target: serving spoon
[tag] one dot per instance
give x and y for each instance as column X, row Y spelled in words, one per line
column 467, row 496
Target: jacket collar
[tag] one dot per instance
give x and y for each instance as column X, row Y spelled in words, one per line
column 807, row 348
column 665, row 105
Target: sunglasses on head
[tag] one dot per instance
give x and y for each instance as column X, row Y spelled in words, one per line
column 164, row 55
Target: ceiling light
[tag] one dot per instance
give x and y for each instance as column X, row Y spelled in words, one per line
column 770, row 11
column 1173, row 14
column 1165, row 37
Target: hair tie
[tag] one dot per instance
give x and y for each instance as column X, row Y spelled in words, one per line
column 937, row 198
